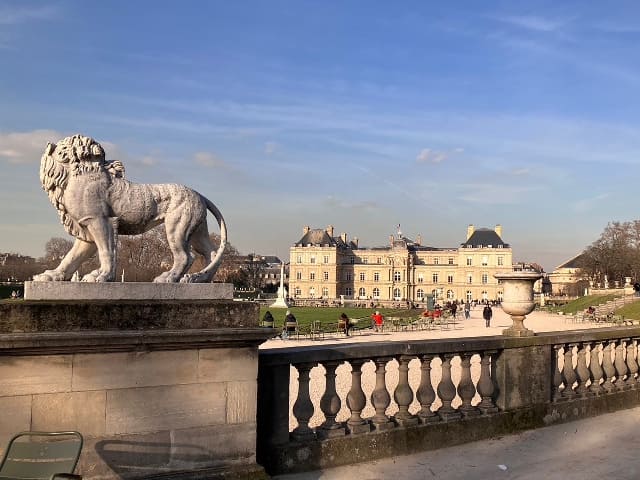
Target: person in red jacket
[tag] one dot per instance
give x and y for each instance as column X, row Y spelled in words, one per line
column 378, row 321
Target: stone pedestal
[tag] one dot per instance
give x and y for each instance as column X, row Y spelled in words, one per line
column 157, row 387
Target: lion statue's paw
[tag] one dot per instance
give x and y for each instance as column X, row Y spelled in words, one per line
column 49, row 276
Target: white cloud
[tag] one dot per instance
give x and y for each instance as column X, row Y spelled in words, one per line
column 427, row 155
column 531, row 22
column 586, row 204
column 271, row 148
column 16, row 15
column 25, row 147
column 207, row 159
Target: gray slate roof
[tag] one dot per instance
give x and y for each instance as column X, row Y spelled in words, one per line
column 484, row 237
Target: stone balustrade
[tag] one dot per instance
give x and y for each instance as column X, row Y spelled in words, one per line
column 342, row 407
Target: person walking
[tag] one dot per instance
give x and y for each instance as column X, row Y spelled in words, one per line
column 487, row 313
column 467, row 310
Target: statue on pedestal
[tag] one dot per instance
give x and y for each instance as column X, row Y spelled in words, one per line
column 281, row 300
column 96, row 204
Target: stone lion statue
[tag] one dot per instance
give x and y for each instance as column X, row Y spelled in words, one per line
column 96, row 203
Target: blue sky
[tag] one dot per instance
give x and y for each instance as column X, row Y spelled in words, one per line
column 357, row 114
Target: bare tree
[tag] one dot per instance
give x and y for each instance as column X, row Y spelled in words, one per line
column 54, row 251
column 616, row 253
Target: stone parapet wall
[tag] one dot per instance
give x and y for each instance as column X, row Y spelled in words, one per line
column 445, row 392
column 148, row 401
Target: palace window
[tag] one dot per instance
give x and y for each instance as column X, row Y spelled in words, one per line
column 420, row 278
column 312, row 292
column 376, row 292
column 362, row 276
column 325, row 292
column 376, row 276
column 299, row 259
column 397, row 294
column 397, row 276
column 450, row 261
column 297, row 292
column 485, row 278
column 469, row 261
column 436, row 260
column 362, row 293
column 312, row 275
column 365, row 259
column 469, row 278
column 450, row 278
column 469, row 296
column 348, row 291
column 325, row 259
column 348, row 276
column 312, row 259
column 420, row 294
column 485, row 295
column 485, row 260
column 298, row 275
column 325, row 276
column 434, row 277
column 500, row 261
column 450, row 295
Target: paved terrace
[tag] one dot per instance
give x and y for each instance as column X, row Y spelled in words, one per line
column 605, row 445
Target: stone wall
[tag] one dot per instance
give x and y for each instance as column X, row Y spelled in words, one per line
column 147, row 402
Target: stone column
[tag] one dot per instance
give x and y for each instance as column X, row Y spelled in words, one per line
column 330, row 405
column 303, row 407
column 426, row 395
column 380, row 398
column 403, row 394
column 356, row 400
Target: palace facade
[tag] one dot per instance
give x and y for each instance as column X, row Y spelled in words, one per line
column 324, row 266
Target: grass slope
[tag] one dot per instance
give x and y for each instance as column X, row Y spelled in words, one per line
column 582, row 303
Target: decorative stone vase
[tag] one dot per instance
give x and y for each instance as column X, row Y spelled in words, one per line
column 518, row 300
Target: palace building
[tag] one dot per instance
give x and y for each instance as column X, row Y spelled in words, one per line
column 324, row 266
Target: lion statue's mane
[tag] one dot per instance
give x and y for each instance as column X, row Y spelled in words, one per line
column 95, row 203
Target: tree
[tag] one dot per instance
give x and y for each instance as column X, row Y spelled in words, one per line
column 616, row 253
column 54, row 251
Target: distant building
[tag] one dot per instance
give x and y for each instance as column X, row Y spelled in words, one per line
column 324, row 266
column 568, row 279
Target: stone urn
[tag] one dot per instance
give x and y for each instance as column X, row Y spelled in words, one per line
column 518, row 299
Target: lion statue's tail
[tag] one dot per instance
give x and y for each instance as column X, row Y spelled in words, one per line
column 207, row 273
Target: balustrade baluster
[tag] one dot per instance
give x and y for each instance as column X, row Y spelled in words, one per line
column 621, row 366
column 380, row 398
column 582, row 371
column 426, row 395
column 303, row 407
column 595, row 369
column 632, row 364
column 330, row 405
column 568, row 373
column 466, row 389
column 403, row 394
column 557, row 374
column 485, row 384
column 447, row 390
column 356, row 400
column 607, row 366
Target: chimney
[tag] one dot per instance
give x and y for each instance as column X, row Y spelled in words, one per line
column 330, row 231
column 343, row 236
column 419, row 239
column 499, row 230
column 305, row 229
column 470, row 230
column 355, row 240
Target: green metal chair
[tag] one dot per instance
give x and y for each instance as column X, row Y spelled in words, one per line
column 42, row 456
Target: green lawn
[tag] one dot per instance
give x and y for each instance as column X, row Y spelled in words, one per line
column 305, row 315
column 631, row 311
column 582, row 303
